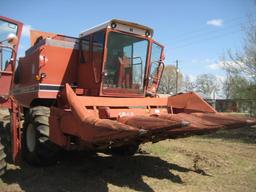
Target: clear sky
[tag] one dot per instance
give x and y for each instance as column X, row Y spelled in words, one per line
column 196, row 32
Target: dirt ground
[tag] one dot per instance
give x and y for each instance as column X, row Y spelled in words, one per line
column 224, row 161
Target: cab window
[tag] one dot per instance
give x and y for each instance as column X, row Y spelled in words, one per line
column 98, row 39
column 6, row 28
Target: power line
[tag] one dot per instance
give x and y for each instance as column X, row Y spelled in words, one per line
column 204, row 33
column 206, row 28
column 197, row 40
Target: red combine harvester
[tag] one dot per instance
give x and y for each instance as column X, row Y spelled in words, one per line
column 96, row 92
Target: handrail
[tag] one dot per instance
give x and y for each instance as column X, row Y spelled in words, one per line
column 6, row 72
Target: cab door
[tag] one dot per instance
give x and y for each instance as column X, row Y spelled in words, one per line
column 10, row 31
column 155, row 69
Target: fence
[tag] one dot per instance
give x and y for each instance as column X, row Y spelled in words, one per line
column 247, row 106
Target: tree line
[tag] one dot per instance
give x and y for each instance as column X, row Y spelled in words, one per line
column 240, row 69
column 206, row 84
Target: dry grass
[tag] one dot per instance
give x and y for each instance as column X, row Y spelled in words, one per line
column 224, row 161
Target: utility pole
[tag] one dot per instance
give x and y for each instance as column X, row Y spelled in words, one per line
column 177, row 76
column 214, row 98
column 1, row 58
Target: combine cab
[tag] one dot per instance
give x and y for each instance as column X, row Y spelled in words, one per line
column 97, row 92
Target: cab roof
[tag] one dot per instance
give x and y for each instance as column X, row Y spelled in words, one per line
column 121, row 25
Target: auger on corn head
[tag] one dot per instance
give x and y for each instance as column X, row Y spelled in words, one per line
column 95, row 92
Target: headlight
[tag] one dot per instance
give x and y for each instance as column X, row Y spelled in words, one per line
column 113, row 25
column 147, row 33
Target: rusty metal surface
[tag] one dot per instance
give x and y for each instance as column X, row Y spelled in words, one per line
column 97, row 117
column 189, row 102
column 92, row 128
column 152, row 125
column 87, row 124
column 201, row 123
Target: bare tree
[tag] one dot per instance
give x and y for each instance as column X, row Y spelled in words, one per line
column 206, row 84
column 241, row 71
column 188, row 84
column 168, row 81
column 241, row 67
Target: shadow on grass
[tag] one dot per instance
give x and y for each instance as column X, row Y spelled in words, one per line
column 95, row 173
column 80, row 172
column 244, row 135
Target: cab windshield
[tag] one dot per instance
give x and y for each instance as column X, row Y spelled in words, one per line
column 125, row 65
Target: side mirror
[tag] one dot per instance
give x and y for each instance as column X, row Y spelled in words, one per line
column 12, row 39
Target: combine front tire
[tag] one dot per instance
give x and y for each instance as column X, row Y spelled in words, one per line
column 2, row 160
column 37, row 149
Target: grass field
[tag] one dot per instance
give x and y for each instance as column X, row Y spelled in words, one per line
column 223, row 161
